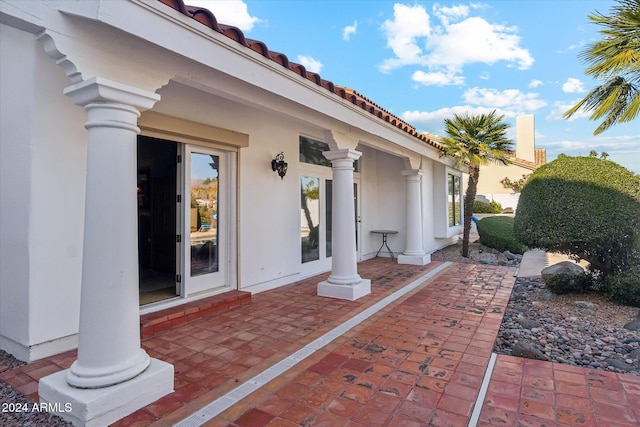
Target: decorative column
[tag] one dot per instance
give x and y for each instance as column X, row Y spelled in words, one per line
column 344, row 281
column 113, row 376
column 414, row 253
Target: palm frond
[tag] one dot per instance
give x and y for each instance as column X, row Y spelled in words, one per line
column 615, row 59
column 477, row 140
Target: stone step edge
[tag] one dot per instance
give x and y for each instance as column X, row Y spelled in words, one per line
column 160, row 321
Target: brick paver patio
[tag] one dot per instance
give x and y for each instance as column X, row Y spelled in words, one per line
column 418, row 361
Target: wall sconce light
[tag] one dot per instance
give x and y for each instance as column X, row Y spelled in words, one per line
column 279, row 165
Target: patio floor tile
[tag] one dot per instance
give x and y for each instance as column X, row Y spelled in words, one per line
column 418, row 361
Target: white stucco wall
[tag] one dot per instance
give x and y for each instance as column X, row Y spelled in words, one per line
column 384, row 195
column 489, row 185
column 43, row 171
column 269, row 206
column 492, row 174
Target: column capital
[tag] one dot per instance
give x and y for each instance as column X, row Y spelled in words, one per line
column 339, row 140
column 101, row 90
column 345, row 154
column 412, row 172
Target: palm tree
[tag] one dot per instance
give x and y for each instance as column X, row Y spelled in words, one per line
column 614, row 60
column 475, row 141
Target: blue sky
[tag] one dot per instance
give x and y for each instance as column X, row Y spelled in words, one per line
column 424, row 61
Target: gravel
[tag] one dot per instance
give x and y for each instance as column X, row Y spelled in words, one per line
column 16, row 409
column 582, row 330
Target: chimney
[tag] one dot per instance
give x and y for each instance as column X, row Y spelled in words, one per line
column 525, row 138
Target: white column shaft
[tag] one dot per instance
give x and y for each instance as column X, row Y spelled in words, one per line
column 414, row 215
column 109, row 340
column 344, row 261
column 414, row 252
column 344, row 281
column 112, row 376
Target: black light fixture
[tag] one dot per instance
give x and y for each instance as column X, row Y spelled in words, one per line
column 278, row 164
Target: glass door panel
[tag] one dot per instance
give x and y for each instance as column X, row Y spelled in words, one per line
column 204, row 220
column 328, row 214
column 203, row 213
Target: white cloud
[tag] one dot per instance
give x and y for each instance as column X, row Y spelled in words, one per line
column 434, row 120
column 511, row 99
column 573, row 86
column 408, row 24
column 560, row 108
column 622, row 149
column 509, row 103
column 535, row 83
column 310, row 64
column 445, row 49
column 349, row 30
column 437, row 78
column 228, row 12
column 476, row 40
column 611, row 144
column 445, row 14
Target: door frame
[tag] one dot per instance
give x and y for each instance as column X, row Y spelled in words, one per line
column 197, row 134
column 225, row 278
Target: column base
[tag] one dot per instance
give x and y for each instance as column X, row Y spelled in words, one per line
column 414, row 259
column 103, row 406
column 349, row 292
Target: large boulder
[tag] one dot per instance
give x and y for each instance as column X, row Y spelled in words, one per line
column 527, row 349
column 634, row 325
column 565, row 268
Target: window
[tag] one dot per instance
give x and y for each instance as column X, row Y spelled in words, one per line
column 311, row 153
column 454, row 198
column 310, row 218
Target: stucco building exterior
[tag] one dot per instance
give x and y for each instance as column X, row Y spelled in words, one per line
column 137, row 140
column 524, row 160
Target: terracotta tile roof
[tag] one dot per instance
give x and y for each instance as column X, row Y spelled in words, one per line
column 205, row 17
column 521, row 162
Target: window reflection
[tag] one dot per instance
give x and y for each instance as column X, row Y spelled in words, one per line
column 454, row 197
column 310, row 218
column 328, row 212
column 204, row 213
column 310, row 151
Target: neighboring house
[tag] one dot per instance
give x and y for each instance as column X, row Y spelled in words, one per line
column 137, row 141
column 524, row 160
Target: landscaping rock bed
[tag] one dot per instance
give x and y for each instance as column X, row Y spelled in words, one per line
column 579, row 329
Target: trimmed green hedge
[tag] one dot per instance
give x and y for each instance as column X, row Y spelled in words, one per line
column 497, row 233
column 624, row 288
column 482, row 207
column 585, row 207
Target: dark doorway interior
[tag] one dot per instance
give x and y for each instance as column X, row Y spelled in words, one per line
column 157, row 183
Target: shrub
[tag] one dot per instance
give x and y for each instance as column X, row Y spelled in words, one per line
column 482, row 207
column 624, row 288
column 570, row 284
column 585, row 207
column 497, row 233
